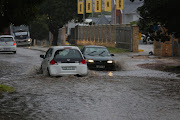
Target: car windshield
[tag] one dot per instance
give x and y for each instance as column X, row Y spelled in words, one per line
column 64, row 54
column 96, row 51
column 6, row 39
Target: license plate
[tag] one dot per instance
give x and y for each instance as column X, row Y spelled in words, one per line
column 100, row 66
column 7, row 49
column 69, row 68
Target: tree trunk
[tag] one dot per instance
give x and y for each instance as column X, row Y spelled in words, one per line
column 55, row 38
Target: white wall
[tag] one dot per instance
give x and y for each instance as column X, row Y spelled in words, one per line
column 127, row 18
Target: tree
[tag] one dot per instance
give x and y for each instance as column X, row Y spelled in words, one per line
column 162, row 13
column 17, row 12
column 59, row 12
column 39, row 29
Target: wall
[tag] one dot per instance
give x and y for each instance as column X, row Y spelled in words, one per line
column 165, row 49
column 135, row 38
column 103, row 35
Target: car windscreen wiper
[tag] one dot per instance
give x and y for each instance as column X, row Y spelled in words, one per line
column 91, row 52
column 102, row 52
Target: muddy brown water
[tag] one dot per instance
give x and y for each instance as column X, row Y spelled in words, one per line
column 116, row 95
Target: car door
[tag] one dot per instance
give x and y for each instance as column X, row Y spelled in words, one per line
column 46, row 59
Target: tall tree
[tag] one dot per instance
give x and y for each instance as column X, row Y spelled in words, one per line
column 39, row 29
column 17, row 12
column 59, row 12
column 159, row 12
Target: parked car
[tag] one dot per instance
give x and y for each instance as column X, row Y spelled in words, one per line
column 7, row 44
column 64, row 60
column 98, row 57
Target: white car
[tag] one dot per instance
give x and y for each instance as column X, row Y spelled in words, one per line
column 7, row 44
column 64, row 60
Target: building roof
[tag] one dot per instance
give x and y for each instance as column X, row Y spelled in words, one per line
column 104, row 19
column 131, row 7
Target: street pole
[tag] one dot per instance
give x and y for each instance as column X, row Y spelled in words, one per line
column 101, row 8
column 92, row 11
column 172, row 45
column 115, row 11
column 84, row 12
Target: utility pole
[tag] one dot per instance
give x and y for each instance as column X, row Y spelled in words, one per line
column 92, row 11
column 101, row 8
column 172, row 45
column 84, row 11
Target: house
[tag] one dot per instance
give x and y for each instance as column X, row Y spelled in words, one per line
column 128, row 14
column 102, row 19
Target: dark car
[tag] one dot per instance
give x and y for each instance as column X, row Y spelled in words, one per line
column 98, row 57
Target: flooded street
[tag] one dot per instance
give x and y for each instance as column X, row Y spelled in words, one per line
column 132, row 93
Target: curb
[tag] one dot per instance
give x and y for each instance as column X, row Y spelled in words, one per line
column 37, row 49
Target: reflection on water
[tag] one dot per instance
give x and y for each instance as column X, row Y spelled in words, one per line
column 110, row 74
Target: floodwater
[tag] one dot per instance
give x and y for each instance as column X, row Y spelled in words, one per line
column 131, row 93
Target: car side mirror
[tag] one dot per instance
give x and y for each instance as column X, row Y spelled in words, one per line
column 112, row 54
column 42, row 56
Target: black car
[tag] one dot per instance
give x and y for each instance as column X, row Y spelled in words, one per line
column 98, row 57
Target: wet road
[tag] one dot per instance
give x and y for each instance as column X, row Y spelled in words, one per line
column 119, row 95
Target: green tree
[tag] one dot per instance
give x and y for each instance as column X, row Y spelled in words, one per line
column 17, row 12
column 159, row 12
column 39, row 29
column 59, row 12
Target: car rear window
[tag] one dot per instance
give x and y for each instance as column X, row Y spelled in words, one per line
column 68, row 56
column 6, row 39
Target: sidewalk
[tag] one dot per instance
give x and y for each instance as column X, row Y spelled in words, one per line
column 39, row 48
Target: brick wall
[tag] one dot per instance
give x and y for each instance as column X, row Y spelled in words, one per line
column 165, row 49
column 135, row 38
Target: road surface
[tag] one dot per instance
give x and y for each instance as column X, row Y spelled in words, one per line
column 129, row 94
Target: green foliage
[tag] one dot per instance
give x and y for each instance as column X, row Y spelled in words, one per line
column 39, row 29
column 159, row 12
column 116, row 50
column 5, row 88
column 59, row 12
column 133, row 23
column 17, row 12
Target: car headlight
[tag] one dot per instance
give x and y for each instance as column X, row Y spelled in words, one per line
column 91, row 61
column 29, row 40
column 109, row 61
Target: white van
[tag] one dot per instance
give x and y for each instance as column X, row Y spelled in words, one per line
column 7, row 44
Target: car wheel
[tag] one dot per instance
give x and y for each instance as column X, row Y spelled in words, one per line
column 81, row 75
column 114, row 68
column 41, row 70
column 46, row 72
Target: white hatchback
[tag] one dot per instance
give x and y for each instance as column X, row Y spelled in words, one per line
column 7, row 44
column 64, row 60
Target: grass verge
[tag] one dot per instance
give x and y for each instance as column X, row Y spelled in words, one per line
column 112, row 50
column 116, row 50
column 5, row 88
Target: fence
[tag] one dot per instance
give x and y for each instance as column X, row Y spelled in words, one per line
column 119, row 36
